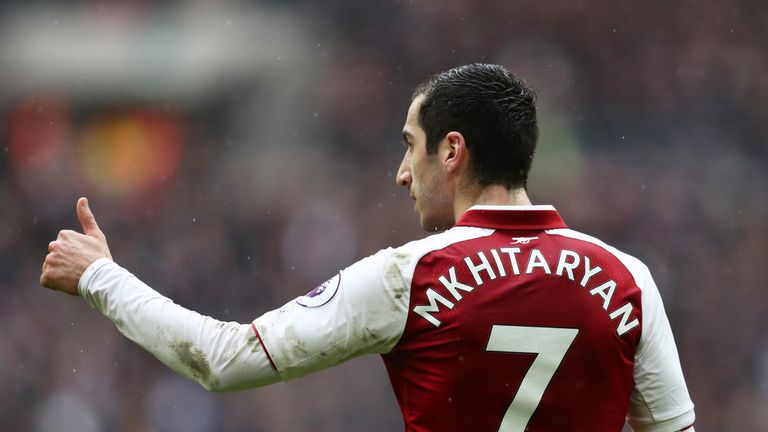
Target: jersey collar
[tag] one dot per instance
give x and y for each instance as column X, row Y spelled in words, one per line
column 533, row 217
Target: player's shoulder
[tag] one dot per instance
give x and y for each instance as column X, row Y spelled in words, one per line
column 636, row 267
column 407, row 256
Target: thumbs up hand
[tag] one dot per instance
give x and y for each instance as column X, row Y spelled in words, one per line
column 90, row 227
column 71, row 253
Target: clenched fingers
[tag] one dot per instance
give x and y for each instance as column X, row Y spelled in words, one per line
column 68, row 257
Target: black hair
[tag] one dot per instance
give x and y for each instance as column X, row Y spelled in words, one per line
column 493, row 110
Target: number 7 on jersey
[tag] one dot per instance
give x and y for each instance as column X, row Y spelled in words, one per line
column 550, row 344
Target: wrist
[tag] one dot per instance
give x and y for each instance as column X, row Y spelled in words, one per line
column 90, row 271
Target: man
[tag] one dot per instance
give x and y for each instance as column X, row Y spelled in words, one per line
column 507, row 321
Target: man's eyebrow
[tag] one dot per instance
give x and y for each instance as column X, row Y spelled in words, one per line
column 407, row 135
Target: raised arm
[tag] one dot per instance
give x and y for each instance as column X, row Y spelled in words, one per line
column 220, row 356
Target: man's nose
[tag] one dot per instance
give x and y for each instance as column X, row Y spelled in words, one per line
column 404, row 177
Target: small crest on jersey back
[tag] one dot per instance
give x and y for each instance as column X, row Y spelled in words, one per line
column 322, row 294
column 523, row 240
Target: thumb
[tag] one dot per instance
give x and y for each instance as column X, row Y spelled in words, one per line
column 87, row 220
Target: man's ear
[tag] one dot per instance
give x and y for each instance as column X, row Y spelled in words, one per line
column 454, row 153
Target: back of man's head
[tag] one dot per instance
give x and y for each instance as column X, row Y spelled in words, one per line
column 493, row 110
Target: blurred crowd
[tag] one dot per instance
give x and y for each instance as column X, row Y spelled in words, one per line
column 237, row 155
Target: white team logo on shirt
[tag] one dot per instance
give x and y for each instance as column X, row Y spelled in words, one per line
column 322, row 294
column 523, row 240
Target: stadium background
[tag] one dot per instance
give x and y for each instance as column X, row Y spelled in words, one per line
column 237, row 155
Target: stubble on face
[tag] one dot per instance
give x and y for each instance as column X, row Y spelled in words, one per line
column 436, row 213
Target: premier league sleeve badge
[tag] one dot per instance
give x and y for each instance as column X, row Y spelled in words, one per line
column 322, row 294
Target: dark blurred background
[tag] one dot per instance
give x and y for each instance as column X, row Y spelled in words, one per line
column 237, row 155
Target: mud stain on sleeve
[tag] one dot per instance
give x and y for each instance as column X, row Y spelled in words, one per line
column 196, row 362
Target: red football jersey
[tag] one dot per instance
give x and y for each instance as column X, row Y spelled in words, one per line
column 527, row 282
column 509, row 321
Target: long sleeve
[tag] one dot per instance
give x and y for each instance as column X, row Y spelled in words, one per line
column 220, row 356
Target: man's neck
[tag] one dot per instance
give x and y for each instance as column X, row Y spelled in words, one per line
column 491, row 195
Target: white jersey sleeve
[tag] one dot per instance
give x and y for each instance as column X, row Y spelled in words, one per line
column 220, row 356
column 361, row 310
column 660, row 400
